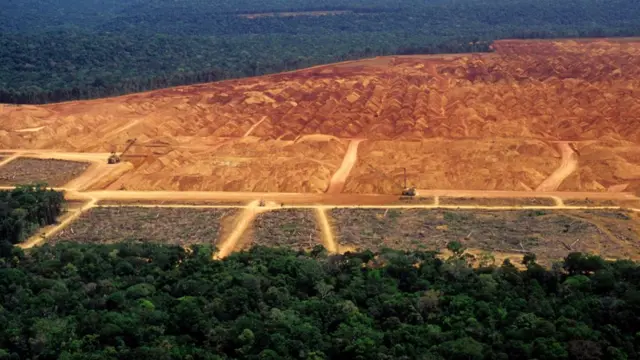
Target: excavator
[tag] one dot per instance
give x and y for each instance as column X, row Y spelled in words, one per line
column 407, row 192
column 115, row 158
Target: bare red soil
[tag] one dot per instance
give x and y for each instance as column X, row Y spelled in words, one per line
column 467, row 121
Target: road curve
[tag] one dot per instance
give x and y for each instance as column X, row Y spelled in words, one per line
column 568, row 165
column 336, row 185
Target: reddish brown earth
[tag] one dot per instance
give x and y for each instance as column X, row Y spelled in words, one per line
column 467, row 121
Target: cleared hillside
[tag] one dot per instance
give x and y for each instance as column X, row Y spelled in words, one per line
column 479, row 121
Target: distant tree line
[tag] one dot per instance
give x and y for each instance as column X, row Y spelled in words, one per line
column 144, row 301
column 73, row 49
column 101, row 87
column 25, row 209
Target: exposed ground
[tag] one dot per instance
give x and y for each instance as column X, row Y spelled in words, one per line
column 549, row 234
column 532, row 115
column 247, row 164
column 52, row 171
column 291, row 228
column 607, row 165
column 490, row 141
column 452, row 164
column 183, row 226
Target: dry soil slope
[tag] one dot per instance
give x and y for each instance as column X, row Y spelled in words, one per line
column 529, row 92
column 546, row 89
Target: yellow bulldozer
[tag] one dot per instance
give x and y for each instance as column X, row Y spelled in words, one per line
column 408, row 192
column 115, row 158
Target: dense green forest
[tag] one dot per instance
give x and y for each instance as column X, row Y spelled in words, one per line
column 142, row 301
column 56, row 50
column 25, row 209
column 147, row 301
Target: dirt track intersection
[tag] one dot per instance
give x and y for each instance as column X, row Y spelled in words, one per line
column 474, row 133
column 505, row 223
column 501, row 222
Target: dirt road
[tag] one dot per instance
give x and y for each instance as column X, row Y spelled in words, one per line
column 336, row 185
column 41, row 237
column 245, row 219
column 100, row 172
column 10, row 159
column 568, row 165
column 528, row 194
column 254, row 126
column 75, row 189
column 327, row 199
column 327, row 233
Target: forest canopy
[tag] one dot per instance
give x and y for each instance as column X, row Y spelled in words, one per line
column 25, row 209
column 56, row 50
column 144, row 301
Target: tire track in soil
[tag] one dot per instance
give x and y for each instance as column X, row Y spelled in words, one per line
column 568, row 165
column 336, row 184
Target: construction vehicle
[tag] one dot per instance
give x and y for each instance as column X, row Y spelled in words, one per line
column 115, row 158
column 407, row 191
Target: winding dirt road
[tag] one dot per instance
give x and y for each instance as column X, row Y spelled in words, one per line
column 568, row 165
column 336, row 185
